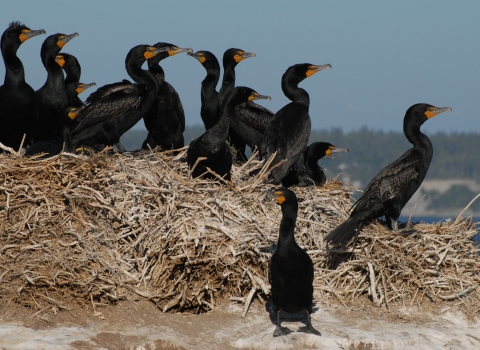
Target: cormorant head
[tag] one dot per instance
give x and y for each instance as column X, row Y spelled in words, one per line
column 72, row 112
column 17, row 33
column 138, row 54
column 233, row 56
column 299, row 72
column 285, row 198
column 171, row 50
column 243, row 94
column 54, row 43
column 206, row 58
column 81, row 87
column 421, row 112
column 60, row 60
column 318, row 150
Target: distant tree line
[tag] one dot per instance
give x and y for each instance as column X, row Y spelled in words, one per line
column 455, row 154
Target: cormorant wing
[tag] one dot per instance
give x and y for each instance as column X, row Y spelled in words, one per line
column 390, row 180
column 288, row 138
column 254, row 115
column 109, row 102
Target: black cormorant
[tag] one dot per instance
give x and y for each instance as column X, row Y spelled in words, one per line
column 212, row 144
column 306, row 171
column 250, row 120
column 51, row 98
column 288, row 132
column 53, row 147
column 165, row 121
column 389, row 191
column 17, row 98
column 73, row 86
column 291, row 268
column 209, row 111
column 115, row 108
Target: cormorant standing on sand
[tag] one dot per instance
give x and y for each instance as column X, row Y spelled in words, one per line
column 389, row 191
column 291, row 268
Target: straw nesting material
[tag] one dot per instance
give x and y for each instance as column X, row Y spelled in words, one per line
column 101, row 228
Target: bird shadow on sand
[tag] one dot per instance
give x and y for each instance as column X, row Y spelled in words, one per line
column 290, row 317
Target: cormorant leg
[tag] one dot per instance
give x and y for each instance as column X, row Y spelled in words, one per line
column 309, row 321
column 394, row 224
column 120, row 147
column 278, row 330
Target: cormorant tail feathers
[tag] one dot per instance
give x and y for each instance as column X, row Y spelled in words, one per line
column 344, row 232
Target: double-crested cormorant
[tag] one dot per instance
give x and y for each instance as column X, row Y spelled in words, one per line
column 73, row 86
column 209, row 95
column 250, row 119
column 53, row 147
column 17, row 98
column 389, row 191
column 291, row 268
column 165, row 121
column 212, row 144
column 306, row 171
column 115, row 108
column 51, row 98
column 288, row 132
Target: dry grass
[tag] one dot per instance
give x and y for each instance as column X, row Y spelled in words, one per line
column 97, row 229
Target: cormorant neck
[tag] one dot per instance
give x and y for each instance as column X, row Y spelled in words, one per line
column 141, row 76
column 73, row 75
column 209, row 97
column 293, row 92
column 210, row 82
column 55, row 79
column 315, row 172
column 228, row 82
column 157, row 70
column 287, row 225
column 14, row 71
column 411, row 129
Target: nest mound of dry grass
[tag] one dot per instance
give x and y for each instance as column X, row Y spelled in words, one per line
column 99, row 228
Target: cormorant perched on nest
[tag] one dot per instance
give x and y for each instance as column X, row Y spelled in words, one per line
column 389, row 191
column 291, row 268
column 306, row 171
column 250, row 119
column 165, row 121
column 73, row 86
column 115, row 108
column 17, row 98
column 52, row 147
column 209, row 111
column 51, row 98
column 212, row 144
column 288, row 132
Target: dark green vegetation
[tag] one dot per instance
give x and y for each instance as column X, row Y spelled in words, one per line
column 455, row 155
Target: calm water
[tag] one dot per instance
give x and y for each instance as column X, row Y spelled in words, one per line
column 435, row 219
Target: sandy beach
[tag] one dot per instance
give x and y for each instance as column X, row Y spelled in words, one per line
column 138, row 324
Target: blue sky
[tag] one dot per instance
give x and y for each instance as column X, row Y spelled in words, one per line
column 385, row 56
